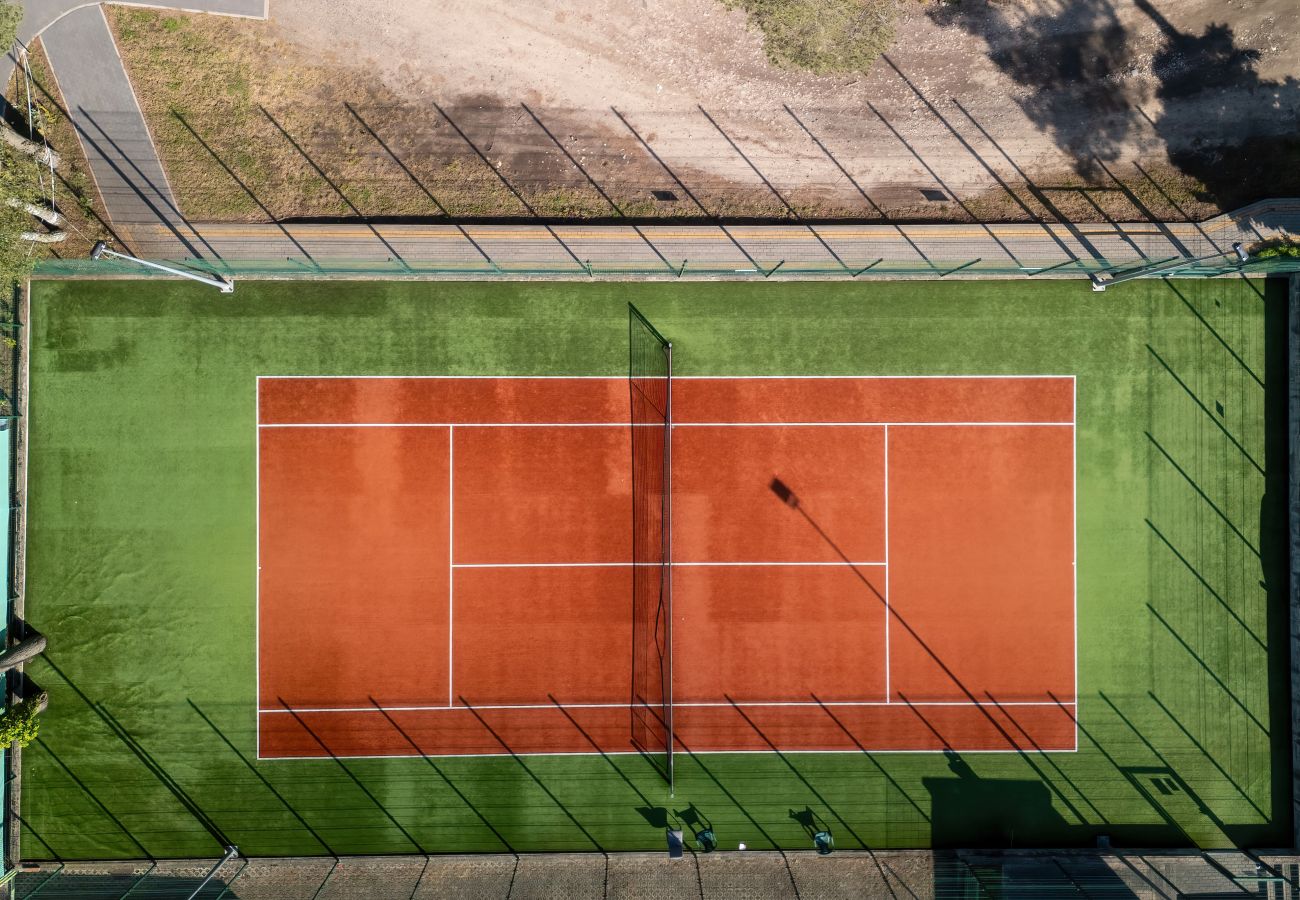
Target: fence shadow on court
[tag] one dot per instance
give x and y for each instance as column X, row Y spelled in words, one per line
column 172, row 788
column 1219, row 574
column 965, row 810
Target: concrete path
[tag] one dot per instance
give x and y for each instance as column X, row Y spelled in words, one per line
column 38, row 15
column 108, row 120
column 104, row 111
column 752, row 251
column 112, row 129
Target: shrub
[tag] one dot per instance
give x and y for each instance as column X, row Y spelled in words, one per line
column 19, row 723
column 823, row 36
column 1281, row 248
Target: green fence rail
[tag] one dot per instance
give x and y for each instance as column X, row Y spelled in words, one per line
column 762, row 268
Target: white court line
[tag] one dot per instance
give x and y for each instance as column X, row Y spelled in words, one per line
column 623, row 565
column 1074, row 522
column 257, row 573
column 964, row 751
column 451, row 565
column 692, row 705
column 675, row 424
column 888, row 691
column 624, row 377
column 624, row 424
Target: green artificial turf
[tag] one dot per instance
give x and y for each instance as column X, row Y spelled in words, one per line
column 141, row 566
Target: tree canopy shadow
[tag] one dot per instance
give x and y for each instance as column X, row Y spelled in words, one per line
column 1082, row 68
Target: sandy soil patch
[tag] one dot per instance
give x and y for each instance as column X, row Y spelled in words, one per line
column 646, row 108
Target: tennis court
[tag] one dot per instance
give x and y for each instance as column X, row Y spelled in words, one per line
column 338, row 568
column 920, row 595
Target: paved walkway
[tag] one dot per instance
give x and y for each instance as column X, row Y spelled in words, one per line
column 112, row 129
column 103, row 108
column 1135, row 874
column 38, row 15
column 711, row 250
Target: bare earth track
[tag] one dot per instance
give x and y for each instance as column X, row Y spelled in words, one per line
column 486, row 109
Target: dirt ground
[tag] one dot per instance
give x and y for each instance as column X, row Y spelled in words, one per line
column 1083, row 109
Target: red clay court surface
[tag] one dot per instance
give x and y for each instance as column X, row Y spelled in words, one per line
column 445, row 565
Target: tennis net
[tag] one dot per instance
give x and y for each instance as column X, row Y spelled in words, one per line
column 650, row 372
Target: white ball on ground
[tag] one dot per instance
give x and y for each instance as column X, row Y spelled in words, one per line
column 742, row 847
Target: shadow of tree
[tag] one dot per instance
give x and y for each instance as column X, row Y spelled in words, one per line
column 1087, row 79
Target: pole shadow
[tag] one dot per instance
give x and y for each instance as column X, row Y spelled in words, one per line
column 263, row 779
column 83, row 122
column 1047, row 758
column 115, row 728
column 1199, row 746
column 1204, row 496
column 865, row 752
column 446, row 779
column 423, row 188
column 790, row 210
column 1209, row 415
column 717, row 220
column 353, row 778
column 599, row 190
column 1206, row 668
column 360, row 216
column 791, row 766
column 85, row 789
column 743, row 811
column 1214, row 333
column 656, row 815
column 270, row 216
column 531, row 774
column 47, row 99
column 511, row 188
column 1205, row 584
